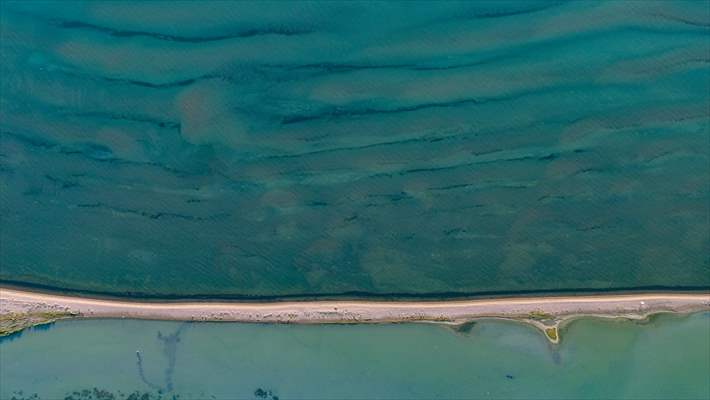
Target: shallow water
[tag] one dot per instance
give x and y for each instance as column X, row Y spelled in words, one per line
column 272, row 149
column 667, row 358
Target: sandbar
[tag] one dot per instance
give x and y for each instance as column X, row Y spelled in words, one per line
column 544, row 312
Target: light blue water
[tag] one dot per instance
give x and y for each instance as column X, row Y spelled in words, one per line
column 668, row 358
column 321, row 148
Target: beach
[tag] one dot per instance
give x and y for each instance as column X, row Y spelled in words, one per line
column 545, row 312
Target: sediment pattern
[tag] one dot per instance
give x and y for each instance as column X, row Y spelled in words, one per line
column 277, row 149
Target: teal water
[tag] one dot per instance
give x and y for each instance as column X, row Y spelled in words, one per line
column 667, row 358
column 322, row 148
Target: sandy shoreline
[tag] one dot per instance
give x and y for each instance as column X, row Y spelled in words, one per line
column 544, row 312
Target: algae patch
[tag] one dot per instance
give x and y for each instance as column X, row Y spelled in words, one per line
column 552, row 334
column 15, row 322
column 540, row 316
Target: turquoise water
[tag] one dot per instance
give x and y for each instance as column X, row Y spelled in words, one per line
column 324, row 148
column 668, row 358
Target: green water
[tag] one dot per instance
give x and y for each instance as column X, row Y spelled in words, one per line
column 667, row 358
column 226, row 149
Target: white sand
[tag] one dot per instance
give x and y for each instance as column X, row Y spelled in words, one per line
column 358, row 311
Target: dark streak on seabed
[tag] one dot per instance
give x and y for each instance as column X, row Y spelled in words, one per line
column 383, row 150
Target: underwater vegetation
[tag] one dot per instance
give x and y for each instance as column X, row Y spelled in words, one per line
column 434, row 149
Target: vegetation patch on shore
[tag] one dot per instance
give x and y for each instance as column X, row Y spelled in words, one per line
column 15, row 322
column 540, row 315
column 552, row 334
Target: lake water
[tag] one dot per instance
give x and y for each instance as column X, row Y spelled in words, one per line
column 667, row 358
column 226, row 149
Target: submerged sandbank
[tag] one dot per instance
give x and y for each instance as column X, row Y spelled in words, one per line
column 547, row 313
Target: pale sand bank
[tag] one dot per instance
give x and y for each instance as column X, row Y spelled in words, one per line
column 544, row 312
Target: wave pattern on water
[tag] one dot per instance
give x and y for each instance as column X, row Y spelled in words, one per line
column 268, row 149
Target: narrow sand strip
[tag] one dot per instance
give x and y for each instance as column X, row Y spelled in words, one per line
column 530, row 308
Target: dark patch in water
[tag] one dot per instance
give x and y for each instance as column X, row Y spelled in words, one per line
column 170, row 343
column 16, row 335
column 246, row 33
column 12, row 336
column 43, row 327
column 465, row 328
column 265, row 394
column 141, row 372
column 100, row 394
